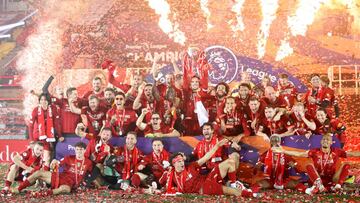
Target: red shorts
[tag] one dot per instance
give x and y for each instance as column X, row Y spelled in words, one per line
column 211, row 185
column 216, row 175
column 63, row 180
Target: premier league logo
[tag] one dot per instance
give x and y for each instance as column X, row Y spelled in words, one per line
column 224, row 64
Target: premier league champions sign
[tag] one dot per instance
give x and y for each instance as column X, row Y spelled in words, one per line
column 227, row 67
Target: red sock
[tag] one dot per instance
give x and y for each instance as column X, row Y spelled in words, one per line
column 343, row 174
column 8, row 183
column 232, row 176
column 255, row 187
column 300, row 187
column 135, row 180
column 246, row 193
column 312, row 173
column 24, row 185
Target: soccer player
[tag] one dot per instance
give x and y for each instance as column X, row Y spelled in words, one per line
column 70, row 110
column 44, row 126
column 273, row 123
column 96, row 89
column 272, row 99
column 276, row 168
column 187, row 179
column 25, row 164
column 254, row 114
column 109, row 98
column 129, row 155
column 323, row 173
column 146, row 99
column 301, row 123
column 152, row 167
column 242, row 101
column 93, row 116
column 121, row 119
column 233, row 126
column 75, row 168
column 326, row 125
column 286, row 90
column 155, row 128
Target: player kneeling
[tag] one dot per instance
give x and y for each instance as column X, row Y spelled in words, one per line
column 24, row 164
column 75, row 168
column 187, row 179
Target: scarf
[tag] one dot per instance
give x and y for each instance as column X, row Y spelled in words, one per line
column 164, row 155
column 46, row 128
column 179, row 179
column 278, row 166
column 127, row 169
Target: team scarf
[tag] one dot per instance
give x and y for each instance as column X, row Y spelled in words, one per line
column 278, row 166
column 46, row 128
column 179, row 178
column 164, row 155
column 127, row 168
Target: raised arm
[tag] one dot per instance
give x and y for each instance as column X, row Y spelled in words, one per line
column 139, row 122
column 210, row 153
column 353, row 154
column 289, row 152
column 137, row 101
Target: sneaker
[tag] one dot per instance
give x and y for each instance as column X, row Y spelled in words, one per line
column 336, row 188
column 238, row 185
column 315, row 189
column 351, row 179
column 278, row 187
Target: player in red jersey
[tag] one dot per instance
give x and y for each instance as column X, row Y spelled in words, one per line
column 313, row 95
column 70, row 110
column 75, row 168
column 301, row 123
column 276, row 168
column 273, row 123
column 109, row 98
column 242, row 100
column 188, row 179
column 323, row 173
column 25, row 164
column 129, row 157
column 44, row 126
column 286, row 90
column 326, row 125
column 270, row 98
column 93, row 116
column 96, row 89
column 152, row 167
column 254, row 114
column 121, row 119
column 233, row 125
column 155, row 128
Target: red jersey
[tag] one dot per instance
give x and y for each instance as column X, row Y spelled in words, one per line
column 95, row 150
column 29, row 159
column 125, row 120
column 69, row 120
column 75, row 169
column 156, row 162
column 163, row 90
column 279, row 102
column 132, row 159
column 99, row 95
column 287, row 93
column 149, row 130
column 325, row 163
column 205, row 146
column 299, row 125
column 105, row 104
column 242, row 104
column 34, row 121
column 250, row 116
column 270, row 127
column 153, row 106
column 235, row 124
column 95, row 118
column 334, row 126
column 311, row 108
column 276, row 165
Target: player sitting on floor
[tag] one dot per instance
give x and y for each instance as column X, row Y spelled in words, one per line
column 323, row 171
column 75, row 168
